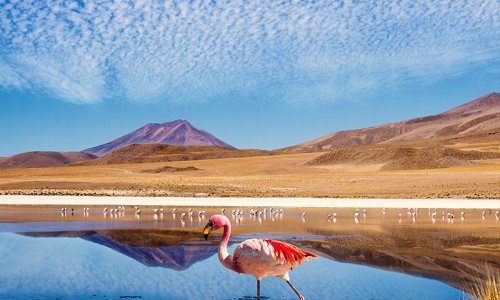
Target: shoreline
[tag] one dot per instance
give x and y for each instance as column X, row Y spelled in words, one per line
column 250, row 202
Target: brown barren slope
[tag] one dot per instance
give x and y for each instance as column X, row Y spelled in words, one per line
column 436, row 152
column 43, row 159
column 482, row 114
column 148, row 153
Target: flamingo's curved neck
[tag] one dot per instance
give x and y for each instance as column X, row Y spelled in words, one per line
column 224, row 257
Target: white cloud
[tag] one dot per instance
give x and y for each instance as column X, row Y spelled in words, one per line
column 88, row 51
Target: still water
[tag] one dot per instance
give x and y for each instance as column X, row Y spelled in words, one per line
column 46, row 255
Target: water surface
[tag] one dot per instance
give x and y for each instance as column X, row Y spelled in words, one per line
column 46, row 255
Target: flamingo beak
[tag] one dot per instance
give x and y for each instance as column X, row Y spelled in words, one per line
column 207, row 230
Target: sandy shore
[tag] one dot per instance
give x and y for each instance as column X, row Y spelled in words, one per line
column 249, row 202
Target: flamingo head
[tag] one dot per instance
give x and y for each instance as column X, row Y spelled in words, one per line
column 214, row 223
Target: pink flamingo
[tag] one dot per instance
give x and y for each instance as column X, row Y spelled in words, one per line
column 257, row 257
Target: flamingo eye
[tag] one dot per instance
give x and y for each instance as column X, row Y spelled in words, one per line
column 211, row 224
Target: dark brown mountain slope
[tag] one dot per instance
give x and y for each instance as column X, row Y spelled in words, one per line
column 390, row 157
column 43, row 159
column 139, row 153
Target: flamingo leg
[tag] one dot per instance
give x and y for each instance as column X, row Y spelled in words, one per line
column 258, row 289
column 295, row 290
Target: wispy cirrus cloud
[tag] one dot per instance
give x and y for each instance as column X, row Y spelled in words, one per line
column 89, row 51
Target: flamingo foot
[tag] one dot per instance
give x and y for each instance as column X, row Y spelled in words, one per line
column 295, row 290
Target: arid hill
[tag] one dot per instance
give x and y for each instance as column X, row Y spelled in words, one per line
column 390, row 157
column 480, row 115
column 179, row 132
column 148, row 153
column 43, row 159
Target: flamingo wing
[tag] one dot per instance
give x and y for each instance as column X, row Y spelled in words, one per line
column 263, row 258
column 289, row 253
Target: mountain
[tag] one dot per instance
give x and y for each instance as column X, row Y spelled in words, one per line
column 43, row 159
column 480, row 115
column 147, row 153
column 178, row 132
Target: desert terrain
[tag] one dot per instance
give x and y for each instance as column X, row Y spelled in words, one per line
column 284, row 175
column 455, row 154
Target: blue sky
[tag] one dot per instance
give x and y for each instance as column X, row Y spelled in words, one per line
column 257, row 74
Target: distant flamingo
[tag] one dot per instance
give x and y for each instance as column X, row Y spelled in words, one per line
column 257, row 257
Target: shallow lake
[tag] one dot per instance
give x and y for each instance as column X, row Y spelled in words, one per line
column 47, row 255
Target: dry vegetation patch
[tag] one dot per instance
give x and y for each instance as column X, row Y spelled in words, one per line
column 169, row 169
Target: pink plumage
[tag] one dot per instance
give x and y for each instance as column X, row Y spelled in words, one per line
column 257, row 257
column 292, row 254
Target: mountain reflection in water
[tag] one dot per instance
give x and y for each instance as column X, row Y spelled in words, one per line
column 66, row 265
column 448, row 257
column 174, row 256
column 167, row 251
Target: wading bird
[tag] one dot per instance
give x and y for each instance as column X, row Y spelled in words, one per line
column 257, row 257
